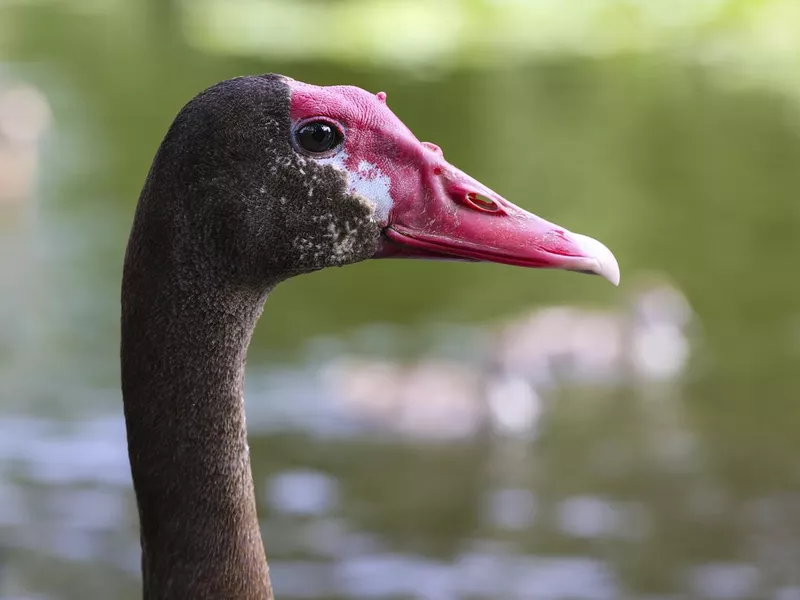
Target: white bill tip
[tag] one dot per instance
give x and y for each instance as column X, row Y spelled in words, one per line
column 602, row 261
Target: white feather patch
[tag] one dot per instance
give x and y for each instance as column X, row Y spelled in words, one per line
column 368, row 181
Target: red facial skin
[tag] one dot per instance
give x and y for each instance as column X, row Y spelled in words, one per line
column 438, row 211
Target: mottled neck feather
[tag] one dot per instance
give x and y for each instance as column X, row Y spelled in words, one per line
column 183, row 353
column 228, row 210
column 193, row 288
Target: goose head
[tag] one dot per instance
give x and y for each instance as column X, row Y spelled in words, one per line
column 283, row 177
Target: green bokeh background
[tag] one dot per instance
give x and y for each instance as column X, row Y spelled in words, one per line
column 667, row 129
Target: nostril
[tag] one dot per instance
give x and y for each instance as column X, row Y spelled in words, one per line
column 437, row 170
column 481, row 202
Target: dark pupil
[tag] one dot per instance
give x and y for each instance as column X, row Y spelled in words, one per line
column 317, row 137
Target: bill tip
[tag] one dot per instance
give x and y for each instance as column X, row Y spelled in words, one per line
column 605, row 262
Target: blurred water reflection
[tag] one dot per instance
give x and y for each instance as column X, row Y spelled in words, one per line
column 422, row 430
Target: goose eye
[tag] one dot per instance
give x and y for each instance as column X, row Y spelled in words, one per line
column 318, row 137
